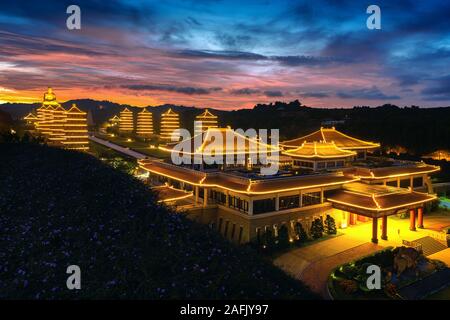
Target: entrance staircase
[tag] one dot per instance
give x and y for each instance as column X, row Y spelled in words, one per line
column 429, row 245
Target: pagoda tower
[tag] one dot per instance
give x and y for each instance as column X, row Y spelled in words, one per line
column 170, row 123
column 30, row 118
column 45, row 113
column 75, row 129
column 204, row 121
column 126, row 123
column 144, row 123
column 57, row 134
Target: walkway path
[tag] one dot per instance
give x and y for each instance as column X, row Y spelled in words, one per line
column 118, row 148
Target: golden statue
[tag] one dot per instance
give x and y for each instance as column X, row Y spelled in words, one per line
column 50, row 98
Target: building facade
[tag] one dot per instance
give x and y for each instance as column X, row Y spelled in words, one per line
column 241, row 204
column 170, row 125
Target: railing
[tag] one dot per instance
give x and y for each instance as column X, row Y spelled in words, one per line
column 412, row 244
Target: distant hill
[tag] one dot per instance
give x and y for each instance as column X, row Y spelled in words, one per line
column 419, row 130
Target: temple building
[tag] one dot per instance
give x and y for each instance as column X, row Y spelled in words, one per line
column 204, row 121
column 57, row 134
column 170, row 125
column 114, row 121
column 45, row 113
column 30, row 119
column 340, row 139
column 75, row 130
column 323, row 175
column 320, row 155
column 144, row 126
column 126, row 124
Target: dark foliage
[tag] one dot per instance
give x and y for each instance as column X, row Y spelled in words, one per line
column 317, row 228
column 302, row 236
column 283, row 237
column 60, row 208
column 330, row 225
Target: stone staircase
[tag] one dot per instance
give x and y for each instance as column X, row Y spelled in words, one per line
column 429, row 245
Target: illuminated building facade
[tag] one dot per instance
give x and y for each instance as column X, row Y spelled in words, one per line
column 30, row 119
column 170, row 125
column 126, row 124
column 144, row 126
column 75, row 129
column 241, row 204
column 205, row 121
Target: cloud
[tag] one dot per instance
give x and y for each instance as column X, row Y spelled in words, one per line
column 365, row 93
column 244, row 91
column 314, row 95
column 170, row 88
column 438, row 90
column 273, row 93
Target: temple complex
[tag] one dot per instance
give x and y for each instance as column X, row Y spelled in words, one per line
column 324, row 173
column 60, row 127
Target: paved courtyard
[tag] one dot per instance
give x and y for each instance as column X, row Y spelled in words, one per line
column 312, row 264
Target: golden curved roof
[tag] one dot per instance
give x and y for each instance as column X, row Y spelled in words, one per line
column 341, row 140
column 206, row 114
column 221, row 141
column 319, row 150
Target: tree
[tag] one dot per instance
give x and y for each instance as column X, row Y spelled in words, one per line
column 283, row 237
column 330, row 225
column 317, row 228
column 300, row 232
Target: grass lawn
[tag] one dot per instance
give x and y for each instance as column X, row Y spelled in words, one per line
column 136, row 145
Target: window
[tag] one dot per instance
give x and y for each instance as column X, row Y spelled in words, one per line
column 237, row 203
column 309, row 199
column 264, row 205
column 240, row 234
column 331, row 164
column 320, row 165
column 220, row 225
column 339, row 163
column 226, row 228
column 233, row 229
column 289, row 202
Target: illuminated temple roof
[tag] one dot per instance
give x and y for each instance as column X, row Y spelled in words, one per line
column 167, row 194
column 319, row 150
column 393, row 171
column 242, row 184
column 237, row 143
column 361, row 198
column 341, row 140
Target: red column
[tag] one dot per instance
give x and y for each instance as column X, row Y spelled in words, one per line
column 352, row 218
column 374, row 230
column 384, row 228
column 412, row 219
column 420, row 217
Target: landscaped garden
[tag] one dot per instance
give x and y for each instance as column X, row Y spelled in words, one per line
column 402, row 270
column 61, row 208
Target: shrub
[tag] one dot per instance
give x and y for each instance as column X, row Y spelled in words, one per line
column 300, row 232
column 283, row 237
column 317, row 228
column 330, row 225
column 60, row 208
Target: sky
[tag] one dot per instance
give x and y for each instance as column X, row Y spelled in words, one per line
column 227, row 54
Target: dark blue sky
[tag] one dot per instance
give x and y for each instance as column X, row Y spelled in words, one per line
column 228, row 54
